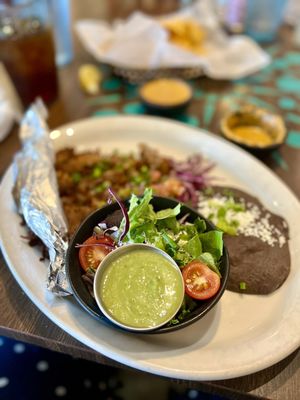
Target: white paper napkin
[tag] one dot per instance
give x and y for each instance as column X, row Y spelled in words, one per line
column 141, row 42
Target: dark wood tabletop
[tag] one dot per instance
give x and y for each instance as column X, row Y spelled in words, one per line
column 271, row 87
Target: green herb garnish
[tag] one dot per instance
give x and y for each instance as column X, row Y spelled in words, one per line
column 225, row 216
column 76, row 177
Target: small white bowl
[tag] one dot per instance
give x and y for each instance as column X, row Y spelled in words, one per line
column 107, row 262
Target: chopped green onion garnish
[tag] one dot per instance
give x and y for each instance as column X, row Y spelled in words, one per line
column 242, row 285
column 119, row 168
column 144, row 169
column 97, row 172
column 76, row 177
column 103, row 186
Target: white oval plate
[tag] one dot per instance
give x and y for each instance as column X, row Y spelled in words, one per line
column 242, row 334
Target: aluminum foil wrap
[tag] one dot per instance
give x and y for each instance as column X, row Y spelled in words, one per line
column 36, row 194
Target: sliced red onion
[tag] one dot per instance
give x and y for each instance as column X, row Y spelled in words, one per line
column 191, row 178
column 193, row 195
column 124, row 212
column 194, row 176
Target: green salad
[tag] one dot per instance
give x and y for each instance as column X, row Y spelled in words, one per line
column 183, row 241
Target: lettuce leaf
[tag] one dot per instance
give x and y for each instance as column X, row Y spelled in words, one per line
column 168, row 212
column 193, row 247
column 184, row 242
column 208, row 260
column 212, row 242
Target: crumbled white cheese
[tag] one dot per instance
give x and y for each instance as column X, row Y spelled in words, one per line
column 249, row 222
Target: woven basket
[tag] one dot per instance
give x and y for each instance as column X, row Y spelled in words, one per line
column 137, row 76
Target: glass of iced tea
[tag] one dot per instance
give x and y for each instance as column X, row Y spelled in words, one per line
column 27, row 49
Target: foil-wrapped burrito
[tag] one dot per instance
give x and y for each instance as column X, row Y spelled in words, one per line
column 36, row 194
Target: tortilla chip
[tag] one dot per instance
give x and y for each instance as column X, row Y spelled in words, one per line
column 185, row 33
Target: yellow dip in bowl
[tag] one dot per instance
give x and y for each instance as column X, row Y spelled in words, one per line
column 139, row 287
column 254, row 128
column 166, row 95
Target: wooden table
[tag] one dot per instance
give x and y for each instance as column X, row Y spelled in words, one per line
column 22, row 320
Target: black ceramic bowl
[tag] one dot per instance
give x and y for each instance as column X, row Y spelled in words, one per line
column 169, row 110
column 74, row 271
column 254, row 117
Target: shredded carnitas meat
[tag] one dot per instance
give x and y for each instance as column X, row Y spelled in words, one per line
column 84, row 178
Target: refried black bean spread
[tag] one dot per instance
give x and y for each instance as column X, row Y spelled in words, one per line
column 256, row 239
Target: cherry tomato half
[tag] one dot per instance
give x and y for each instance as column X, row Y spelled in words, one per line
column 91, row 256
column 200, row 281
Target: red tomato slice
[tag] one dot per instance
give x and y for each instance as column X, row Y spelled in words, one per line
column 201, row 282
column 91, row 256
